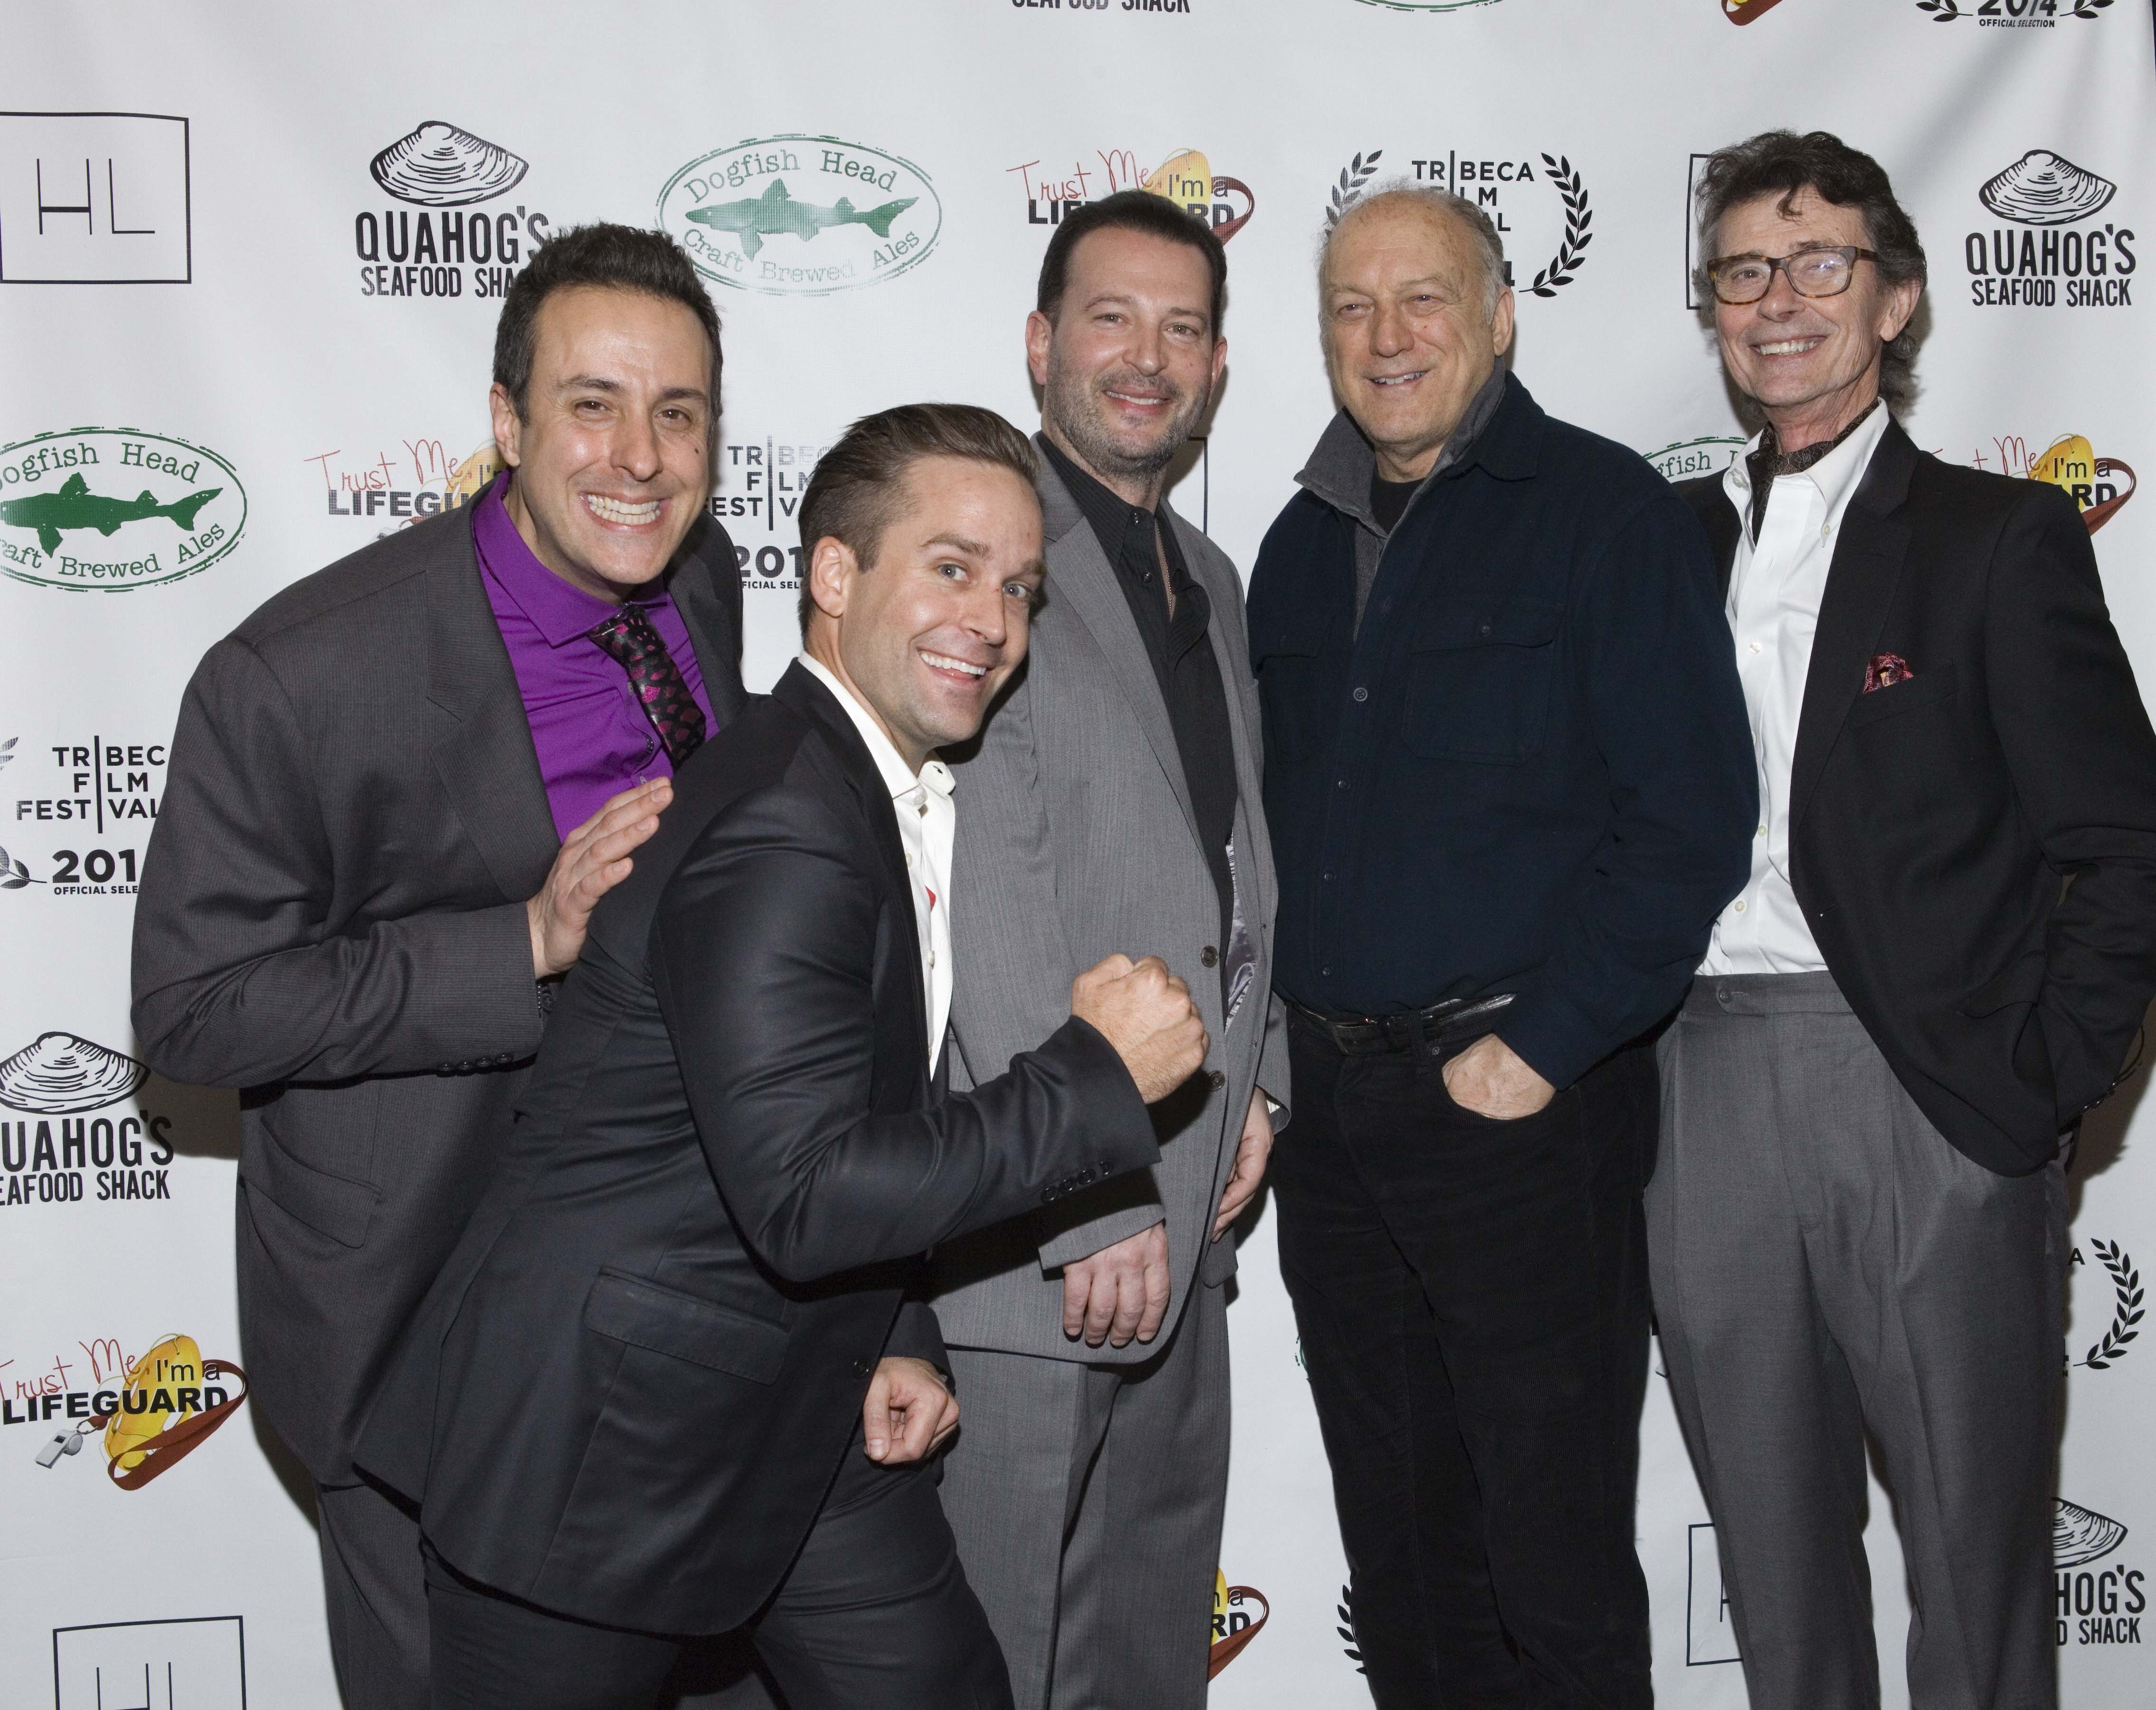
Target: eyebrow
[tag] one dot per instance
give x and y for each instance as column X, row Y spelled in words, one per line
column 958, row 543
column 599, row 383
column 1124, row 298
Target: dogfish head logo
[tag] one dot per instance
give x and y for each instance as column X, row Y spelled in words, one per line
column 1686, row 459
column 802, row 216
column 431, row 246
column 1238, row 1612
column 2051, row 248
column 114, row 509
column 148, row 1413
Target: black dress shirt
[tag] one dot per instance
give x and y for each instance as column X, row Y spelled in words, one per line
column 1184, row 663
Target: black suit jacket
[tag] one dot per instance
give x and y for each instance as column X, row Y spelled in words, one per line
column 1932, row 821
column 332, row 918
column 627, row 1396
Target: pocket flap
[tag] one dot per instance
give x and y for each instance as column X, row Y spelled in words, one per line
column 633, row 1310
column 1522, row 621
column 1921, row 689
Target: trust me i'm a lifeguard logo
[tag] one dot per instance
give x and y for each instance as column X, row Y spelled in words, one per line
column 167, row 1401
column 1239, row 1611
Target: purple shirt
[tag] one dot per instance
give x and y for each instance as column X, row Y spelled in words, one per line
column 593, row 738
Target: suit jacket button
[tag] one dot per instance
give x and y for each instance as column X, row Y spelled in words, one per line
column 1218, row 1079
column 1209, row 956
column 862, row 1368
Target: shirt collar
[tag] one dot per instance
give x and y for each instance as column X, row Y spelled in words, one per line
column 1836, row 475
column 561, row 612
column 935, row 776
column 1339, row 468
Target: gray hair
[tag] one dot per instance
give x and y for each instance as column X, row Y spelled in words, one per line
column 1489, row 247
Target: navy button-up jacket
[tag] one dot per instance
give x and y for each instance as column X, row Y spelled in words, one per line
column 1530, row 769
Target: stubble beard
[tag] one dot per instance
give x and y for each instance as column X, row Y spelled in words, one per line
column 1072, row 404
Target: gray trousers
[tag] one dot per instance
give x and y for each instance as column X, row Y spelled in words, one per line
column 1825, row 1264
column 1087, row 1502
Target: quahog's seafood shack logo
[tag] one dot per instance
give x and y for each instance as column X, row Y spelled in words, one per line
column 148, row 1413
column 114, row 509
column 431, row 247
column 2054, row 249
column 801, row 215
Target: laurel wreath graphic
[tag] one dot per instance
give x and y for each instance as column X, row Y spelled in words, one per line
column 1347, row 1630
column 2126, row 1281
column 1352, row 178
column 1578, row 216
column 1947, row 11
column 7, row 749
column 14, row 875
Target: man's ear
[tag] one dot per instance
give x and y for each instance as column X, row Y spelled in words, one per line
column 1039, row 333
column 501, row 409
column 832, row 567
column 1900, row 306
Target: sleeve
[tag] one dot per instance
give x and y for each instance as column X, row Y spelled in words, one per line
column 915, row 1334
column 763, row 953
column 2082, row 758
column 1272, row 1066
column 237, row 981
column 1019, row 915
column 1659, row 673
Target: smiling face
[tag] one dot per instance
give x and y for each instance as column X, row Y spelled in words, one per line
column 1410, row 334
column 1811, row 363
column 611, row 454
column 1130, row 361
column 929, row 633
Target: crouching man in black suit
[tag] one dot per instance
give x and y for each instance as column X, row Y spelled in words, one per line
column 673, row 1381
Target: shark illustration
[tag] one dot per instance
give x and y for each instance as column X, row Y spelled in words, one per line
column 75, row 506
column 774, row 214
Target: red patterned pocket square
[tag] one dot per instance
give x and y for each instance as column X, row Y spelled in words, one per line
column 1885, row 671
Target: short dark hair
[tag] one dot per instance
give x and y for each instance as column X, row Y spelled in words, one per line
column 1130, row 211
column 858, row 485
column 1781, row 161
column 614, row 258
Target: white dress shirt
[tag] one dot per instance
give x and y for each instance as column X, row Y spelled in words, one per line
column 1775, row 586
column 927, row 826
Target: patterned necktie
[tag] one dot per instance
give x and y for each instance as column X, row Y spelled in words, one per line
column 660, row 691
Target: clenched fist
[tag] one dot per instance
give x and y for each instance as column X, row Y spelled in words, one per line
column 1145, row 1012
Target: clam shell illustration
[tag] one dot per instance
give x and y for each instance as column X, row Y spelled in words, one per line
column 440, row 166
column 59, row 1074
column 2046, row 189
column 2079, row 1534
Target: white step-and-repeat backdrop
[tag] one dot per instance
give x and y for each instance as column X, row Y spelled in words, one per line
column 239, row 338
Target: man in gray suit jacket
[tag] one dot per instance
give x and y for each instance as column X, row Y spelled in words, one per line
column 1113, row 802
column 396, row 791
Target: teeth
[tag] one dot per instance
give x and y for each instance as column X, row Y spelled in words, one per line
column 1788, row 348
column 613, row 511
column 1396, row 379
column 954, row 664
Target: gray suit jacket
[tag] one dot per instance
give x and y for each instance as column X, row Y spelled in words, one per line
column 1076, row 839
column 331, row 918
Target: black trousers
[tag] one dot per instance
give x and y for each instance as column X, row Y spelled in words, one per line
column 875, row 1614
column 1472, row 1300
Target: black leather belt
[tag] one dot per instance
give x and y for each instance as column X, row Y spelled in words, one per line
column 1439, row 1024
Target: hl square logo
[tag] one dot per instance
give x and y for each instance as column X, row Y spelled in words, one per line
column 185, row 1665
column 95, row 198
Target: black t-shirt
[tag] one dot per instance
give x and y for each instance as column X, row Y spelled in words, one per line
column 1388, row 501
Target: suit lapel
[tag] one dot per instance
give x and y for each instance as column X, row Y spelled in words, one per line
column 706, row 584
column 1230, row 654
column 1080, row 576
column 1860, row 591
column 1724, row 529
column 481, row 737
column 807, row 695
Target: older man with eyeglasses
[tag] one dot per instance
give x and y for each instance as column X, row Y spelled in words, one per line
column 1857, row 1222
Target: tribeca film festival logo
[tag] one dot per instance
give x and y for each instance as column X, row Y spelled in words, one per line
column 95, row 198
column 107, row 788
column 386, row 491
column 152, row 1410
column 2012, row 14
column 1530, row 220
column 55, row 1084
column 2127, row 1307
column 1186, row 177
column 801, row 215
column 67, row 518
column 441, row 170
column 759, row 489
column 2053, row 204
column 198, row 1662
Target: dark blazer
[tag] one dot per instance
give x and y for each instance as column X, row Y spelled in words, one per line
column 1932, row 821
column 332, row 918
column 629, row 1393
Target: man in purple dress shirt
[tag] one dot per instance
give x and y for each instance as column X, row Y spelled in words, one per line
column 397, row 792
